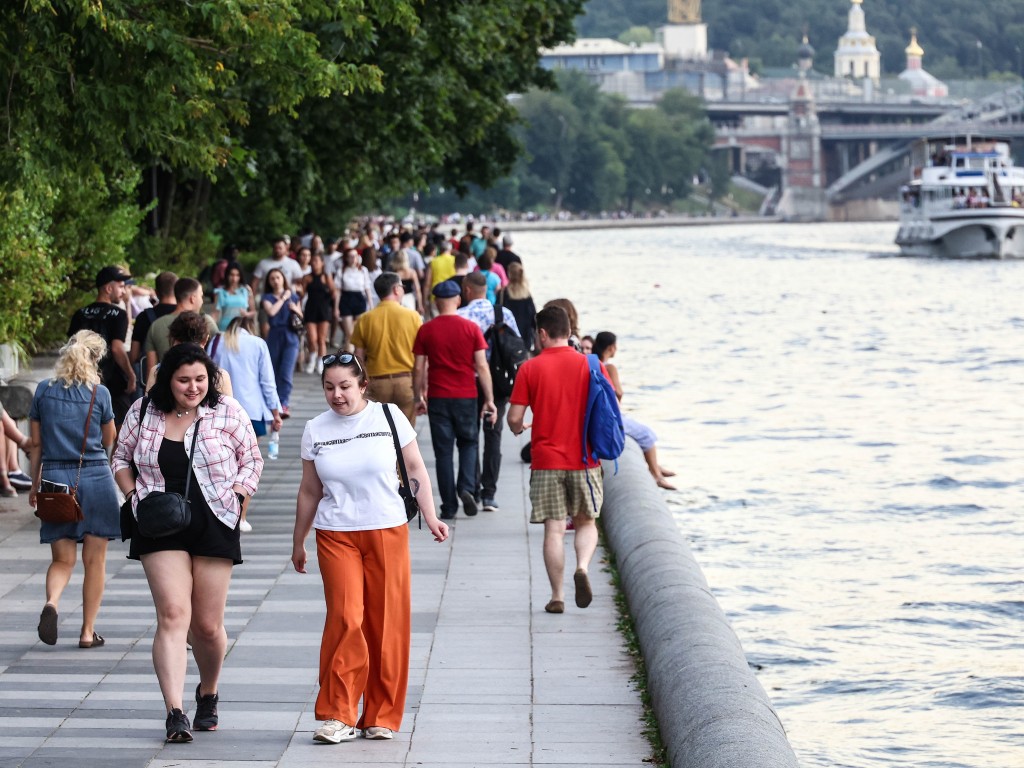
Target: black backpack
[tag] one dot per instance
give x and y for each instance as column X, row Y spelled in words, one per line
column 508, row 352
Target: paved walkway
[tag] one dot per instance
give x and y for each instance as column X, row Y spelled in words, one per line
column 495, row 680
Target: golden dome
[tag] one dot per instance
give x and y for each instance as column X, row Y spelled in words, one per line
column 914, row 49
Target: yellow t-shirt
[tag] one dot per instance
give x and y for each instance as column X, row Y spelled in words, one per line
column 441, row 268
column 386, row 334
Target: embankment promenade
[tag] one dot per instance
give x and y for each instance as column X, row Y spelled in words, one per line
column 495, row 680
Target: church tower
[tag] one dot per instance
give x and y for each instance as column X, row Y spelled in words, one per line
column 685, row 36
column 857, row 56
column 921, row 83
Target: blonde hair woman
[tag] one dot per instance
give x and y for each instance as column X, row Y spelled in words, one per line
column 60, row 408
column 410, row 280
column 520, row 303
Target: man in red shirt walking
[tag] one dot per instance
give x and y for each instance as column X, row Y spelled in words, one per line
column 554, row 386
column 450, row 355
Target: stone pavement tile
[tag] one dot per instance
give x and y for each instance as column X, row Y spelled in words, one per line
column 454, row 754
column 201, row 763
column 234, row 744
column 492, row 721
column 303, row 751
column 621, row 752
column 480, row 682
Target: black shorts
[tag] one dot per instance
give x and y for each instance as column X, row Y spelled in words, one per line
column 206, row 536
column 352, row 303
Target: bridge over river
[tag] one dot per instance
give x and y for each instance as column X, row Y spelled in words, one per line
column 859, row 150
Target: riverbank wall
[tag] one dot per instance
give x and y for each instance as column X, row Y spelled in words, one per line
column 712, row 712
column 656, row 221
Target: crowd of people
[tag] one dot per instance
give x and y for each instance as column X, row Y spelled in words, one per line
column 178, row 384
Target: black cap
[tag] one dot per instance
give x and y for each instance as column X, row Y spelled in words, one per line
column 447, row 289
column 110, row 275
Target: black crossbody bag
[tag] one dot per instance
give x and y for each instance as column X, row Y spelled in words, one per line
column 164, row 513
column 412, row 507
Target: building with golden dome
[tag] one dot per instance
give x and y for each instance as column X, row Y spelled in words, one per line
column 857, row 55
column 921, row 82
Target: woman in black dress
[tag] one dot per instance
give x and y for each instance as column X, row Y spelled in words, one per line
column 189, row 572
column 320, row 297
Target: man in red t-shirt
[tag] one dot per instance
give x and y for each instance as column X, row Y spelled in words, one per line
column 455, row 350
column 554, row 385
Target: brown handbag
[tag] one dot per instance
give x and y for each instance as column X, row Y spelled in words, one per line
column 63, row 507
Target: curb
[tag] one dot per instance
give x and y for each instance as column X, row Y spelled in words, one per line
column 712, row 712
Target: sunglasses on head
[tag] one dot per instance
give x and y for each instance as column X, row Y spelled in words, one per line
column 342, row 359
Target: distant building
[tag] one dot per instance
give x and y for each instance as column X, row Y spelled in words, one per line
column 857, row 56
column 680, row 58
column 921, row 82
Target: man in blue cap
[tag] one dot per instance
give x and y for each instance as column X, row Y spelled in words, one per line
column 453, row 349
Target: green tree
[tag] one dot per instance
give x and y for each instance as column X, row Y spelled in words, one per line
column 637, row 35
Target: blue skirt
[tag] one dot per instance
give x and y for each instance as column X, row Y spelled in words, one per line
column 97, row 496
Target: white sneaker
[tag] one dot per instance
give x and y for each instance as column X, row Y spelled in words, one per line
column 311, row 364
column 319, row 366
column 378, row 732
column 334, row 732
column 245, row 526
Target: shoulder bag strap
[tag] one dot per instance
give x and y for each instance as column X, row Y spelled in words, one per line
column 398, row 448
column 402, row 473
column 85, row 439
column 191, row 455
column 499, row 311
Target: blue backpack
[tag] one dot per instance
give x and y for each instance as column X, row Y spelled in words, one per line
column 604, row 436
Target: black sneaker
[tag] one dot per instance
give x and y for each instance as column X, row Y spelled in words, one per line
column 206, row 711
column 178, row 728
column 468, row 503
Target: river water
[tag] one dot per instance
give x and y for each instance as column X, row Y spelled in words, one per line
column 847, row 428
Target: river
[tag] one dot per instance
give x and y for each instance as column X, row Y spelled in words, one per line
column 847, row 429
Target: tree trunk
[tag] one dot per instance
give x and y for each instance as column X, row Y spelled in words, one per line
column 168, row 206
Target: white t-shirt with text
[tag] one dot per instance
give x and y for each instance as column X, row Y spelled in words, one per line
column 356, row 462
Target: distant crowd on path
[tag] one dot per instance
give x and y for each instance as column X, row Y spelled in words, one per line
column 181, row 399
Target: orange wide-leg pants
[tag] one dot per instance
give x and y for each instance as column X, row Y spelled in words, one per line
column 364, row 652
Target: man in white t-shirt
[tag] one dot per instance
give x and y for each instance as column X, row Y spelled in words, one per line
column 280, row 260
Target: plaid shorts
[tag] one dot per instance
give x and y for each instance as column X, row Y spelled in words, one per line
column 557, row 493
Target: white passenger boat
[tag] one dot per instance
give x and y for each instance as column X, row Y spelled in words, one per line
column 964, row 201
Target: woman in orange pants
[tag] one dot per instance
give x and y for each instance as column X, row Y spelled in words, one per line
column 349, row 493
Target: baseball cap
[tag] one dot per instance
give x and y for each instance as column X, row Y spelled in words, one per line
column 447, row 289
column 110, row 275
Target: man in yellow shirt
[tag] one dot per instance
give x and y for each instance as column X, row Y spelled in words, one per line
column 383, row 339
column 441, row 268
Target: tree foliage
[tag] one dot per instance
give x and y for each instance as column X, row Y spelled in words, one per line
column 587, row 151
column 770, row 30
column 239, row 118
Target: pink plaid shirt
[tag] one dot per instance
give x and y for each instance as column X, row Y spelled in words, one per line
column 227, row 454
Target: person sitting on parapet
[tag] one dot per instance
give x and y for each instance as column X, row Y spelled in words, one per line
column 605, row 346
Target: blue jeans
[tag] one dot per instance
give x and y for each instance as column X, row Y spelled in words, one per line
column 453, row 422
column 284, row 351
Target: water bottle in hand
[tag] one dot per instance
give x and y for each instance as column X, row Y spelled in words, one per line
column 274, row 446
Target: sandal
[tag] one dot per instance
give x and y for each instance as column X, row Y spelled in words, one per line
column 48, row 625
column 96, row 642
column 555, row 606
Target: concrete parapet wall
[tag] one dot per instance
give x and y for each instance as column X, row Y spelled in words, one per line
column 712, row 711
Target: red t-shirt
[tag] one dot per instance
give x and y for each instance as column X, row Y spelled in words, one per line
column 449, row 343
column 554, row 385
